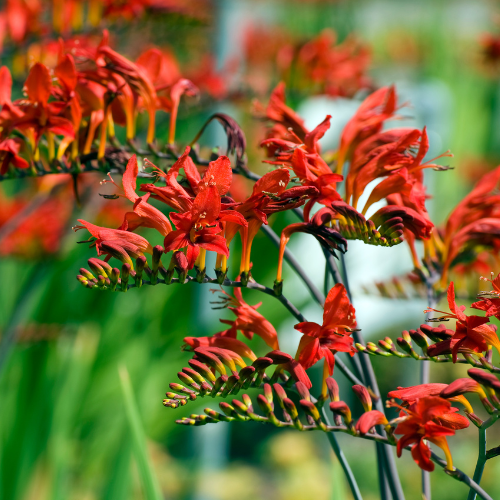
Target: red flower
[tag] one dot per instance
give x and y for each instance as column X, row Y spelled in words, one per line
column 491, row 306
column 337, row 69
column 249, row 321
column 122, row 245
column 269, row 195
column 471, row 331
column 368, row 121
column 40, row 116
column 144, row 214
column 284, row 117
column 369, row 420
column 9, row 155
column 411, row 394
column 473, row 224
column 223, row 341
column 200, row 227
column 323, row 341
column 173, row 194
column 431, row 419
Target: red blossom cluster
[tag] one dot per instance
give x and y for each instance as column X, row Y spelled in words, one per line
column 20, row 19
column 320, row 65
column 80, row 100
column 393, row 157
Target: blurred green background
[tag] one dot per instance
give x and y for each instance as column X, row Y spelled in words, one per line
column 81, row 388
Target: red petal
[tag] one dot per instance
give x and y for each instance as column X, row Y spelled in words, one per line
column 129, row 179
column 39, row 84
column 218, row 174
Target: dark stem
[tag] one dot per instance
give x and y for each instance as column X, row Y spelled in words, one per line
column 425, row 372
column 391, row 471
column 289, row 257
column 268, row 291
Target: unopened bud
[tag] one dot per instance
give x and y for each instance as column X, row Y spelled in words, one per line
column 99, row 266
column 87, row 274
column 420, row 339
column 268, row 393
column 202, row 369
column 291, row 408
column 341, row 408
column 210, row 359
column 310, row 409
column 180, row 263
column 405, row 345
column 261, row 364
column 303, row 391
column 475, row 419
column 155, row 263
column 333, row 389
column 364, row 396
column 279, row 357
column 462, row 386
column 125, row 274
column 485, row 378
column 265, row 405
column 140, row 264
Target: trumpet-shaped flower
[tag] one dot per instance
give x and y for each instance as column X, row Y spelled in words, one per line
column 323, row 341
column 432, row 419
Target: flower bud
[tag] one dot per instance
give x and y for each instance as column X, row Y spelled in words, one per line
column 475, row 419
column 125, row 274
column 114, row 277
column 194, row 375
column 240, row 408
column 247, row 373
column 291, row 408
column 405, row 345
column 186, row 379
column 310, row 409
column 180, row 264
column 406, row 336
column 443, row 347
column 227, row 409
column 140, row 264
column 268, row 393
column 364, row 396
column 369, row 420
column 278, row 357
column 99, row 266
column 87, row 274
column 202, row 369
column 248, row 402
column 341, row 408
column 333, row 389
column 210, row 359
column 485, row 378
column 230, row 384
column 462, row 386
column 420, row 339
column 219, row 382
column 265, row 405
column 303, row 391
column 261, row 364
column 226, row 356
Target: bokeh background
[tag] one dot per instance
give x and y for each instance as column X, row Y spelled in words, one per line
column 82, row 383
